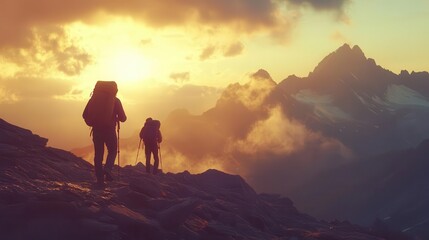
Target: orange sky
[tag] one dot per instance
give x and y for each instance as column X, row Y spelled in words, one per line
column 180, row 54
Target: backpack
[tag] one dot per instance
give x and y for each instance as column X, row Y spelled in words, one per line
column 100, row 107
column 150, row 131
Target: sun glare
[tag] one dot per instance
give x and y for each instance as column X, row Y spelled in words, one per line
column 127, row 65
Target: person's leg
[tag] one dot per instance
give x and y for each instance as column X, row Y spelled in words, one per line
column 156, row 158
column 112, row 148
column 97, row 138
column 147, row 154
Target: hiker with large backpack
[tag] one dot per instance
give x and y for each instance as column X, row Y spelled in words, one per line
column 102, row 112
column 151, row 136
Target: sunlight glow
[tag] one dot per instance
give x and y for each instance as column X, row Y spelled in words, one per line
column 127, row 65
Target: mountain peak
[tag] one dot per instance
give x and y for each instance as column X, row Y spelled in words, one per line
column 344, row 58
column 346, row 48
column 261, row 74
column 349, row 53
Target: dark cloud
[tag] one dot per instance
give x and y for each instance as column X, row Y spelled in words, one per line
column 72, row 60
column 234, row 49
column 207, row 52
column 19, row 18
column 180, row 77
column 322, row 4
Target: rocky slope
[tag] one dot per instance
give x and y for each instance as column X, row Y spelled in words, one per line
column 47, row 193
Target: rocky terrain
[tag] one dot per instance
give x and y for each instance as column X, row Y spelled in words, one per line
column 48, row 193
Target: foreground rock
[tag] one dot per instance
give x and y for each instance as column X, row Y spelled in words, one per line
column 47, row 193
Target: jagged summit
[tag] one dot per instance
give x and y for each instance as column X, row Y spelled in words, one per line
column 345, row 59
column 261, row 74
column 46, row 193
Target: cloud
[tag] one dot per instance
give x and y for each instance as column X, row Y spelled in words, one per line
column 74, row 94
column 253, row 93
column 6, row 97
column 234, row 49
column 207, row 52
column 339, row 37
column 254, row 139
column 71, row 60
column 21, row 88
column 273, row 149
column 337, row 5
column 52, row 49
column 19, row 19
column 180, row 77
column 146, row 41
column 278, row 149
column 247, row 134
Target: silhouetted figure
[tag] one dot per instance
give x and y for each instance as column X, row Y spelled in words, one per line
column 103, row 111
column 151, row 136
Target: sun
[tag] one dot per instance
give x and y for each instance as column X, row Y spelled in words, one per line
column 127, row 65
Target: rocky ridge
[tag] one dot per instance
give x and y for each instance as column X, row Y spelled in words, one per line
column 47, row 193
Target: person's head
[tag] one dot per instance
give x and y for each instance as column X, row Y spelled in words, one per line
column 148, row 119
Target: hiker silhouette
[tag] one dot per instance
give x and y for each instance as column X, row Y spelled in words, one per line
column 102, row 112
column 152, row 137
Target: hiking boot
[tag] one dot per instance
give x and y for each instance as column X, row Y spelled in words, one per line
column 108, row 176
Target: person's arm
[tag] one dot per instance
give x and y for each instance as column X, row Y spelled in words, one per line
column 159, row 136
column 120, row 111
column 141, row 133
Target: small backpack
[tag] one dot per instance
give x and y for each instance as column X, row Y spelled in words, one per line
column 150, row 131
column 99, row 109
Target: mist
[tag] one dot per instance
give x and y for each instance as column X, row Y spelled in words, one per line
column 245, row 135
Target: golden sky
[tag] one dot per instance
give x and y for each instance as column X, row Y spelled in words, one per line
column 167, row 54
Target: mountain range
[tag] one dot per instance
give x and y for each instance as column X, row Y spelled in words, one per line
column 48, row 193
column 351, row 98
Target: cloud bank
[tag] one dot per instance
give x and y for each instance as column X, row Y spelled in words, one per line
column 19, row 18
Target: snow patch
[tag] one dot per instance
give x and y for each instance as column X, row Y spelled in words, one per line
column 402, row 95
column 322, row 104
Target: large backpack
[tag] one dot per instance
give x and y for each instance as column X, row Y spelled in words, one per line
column 99, row 109
column 150, row 132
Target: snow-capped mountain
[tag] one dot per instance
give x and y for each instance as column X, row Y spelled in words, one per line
column 349, row 97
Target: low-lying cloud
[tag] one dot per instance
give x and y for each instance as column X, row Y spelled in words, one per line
column 256, row 140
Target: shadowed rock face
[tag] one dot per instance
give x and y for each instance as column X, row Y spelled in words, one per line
column 391, row 187
column 47, row 193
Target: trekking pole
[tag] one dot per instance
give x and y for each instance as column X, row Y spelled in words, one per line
column 160, row 155
column 119, row 164
column 138, row 149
